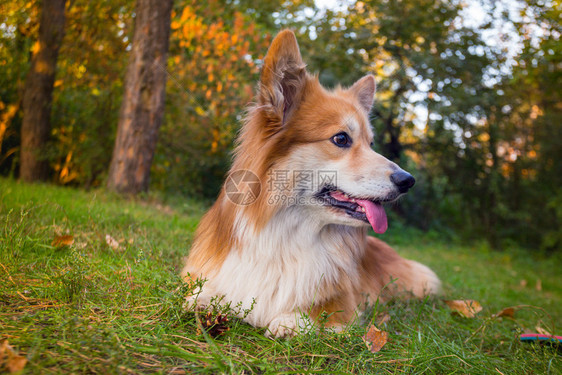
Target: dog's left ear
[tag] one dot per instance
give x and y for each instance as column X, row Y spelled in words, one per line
column 364, row 90
column 283, row 78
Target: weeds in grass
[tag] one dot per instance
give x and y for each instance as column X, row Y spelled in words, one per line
column 73, row 279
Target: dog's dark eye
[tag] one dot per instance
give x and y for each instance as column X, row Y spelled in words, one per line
column 372, row 143
column 341, row 140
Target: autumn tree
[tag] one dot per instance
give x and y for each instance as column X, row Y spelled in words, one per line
column 215, row 51
column 38, row 92
column 142, row 108
column 22, row 19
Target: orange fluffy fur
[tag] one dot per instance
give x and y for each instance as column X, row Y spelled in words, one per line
column 294, row 258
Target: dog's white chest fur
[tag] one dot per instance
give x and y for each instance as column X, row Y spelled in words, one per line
column 284, row 265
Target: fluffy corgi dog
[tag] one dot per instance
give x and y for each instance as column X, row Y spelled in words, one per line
column 288, row 232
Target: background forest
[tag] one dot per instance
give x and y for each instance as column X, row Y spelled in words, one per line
column 468, row 98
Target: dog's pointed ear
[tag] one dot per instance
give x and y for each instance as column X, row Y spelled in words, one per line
column 364, row 91
column 283, row 78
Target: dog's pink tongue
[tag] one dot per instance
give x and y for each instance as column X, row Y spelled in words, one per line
column 375, row 215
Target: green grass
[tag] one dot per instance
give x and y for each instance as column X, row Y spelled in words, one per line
column 93, row 308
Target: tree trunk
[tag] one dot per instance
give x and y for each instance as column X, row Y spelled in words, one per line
column 142, row 109
column 392, row 148
column 38, row 92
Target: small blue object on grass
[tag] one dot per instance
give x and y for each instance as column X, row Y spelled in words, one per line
column 541, row 338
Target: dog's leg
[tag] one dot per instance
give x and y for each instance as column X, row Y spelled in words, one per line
column 386, row 274
column 423, row 281
column 338, row 310
column 200, row 296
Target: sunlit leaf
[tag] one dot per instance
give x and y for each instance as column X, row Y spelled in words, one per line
column 375, row 339
column 508, row 312
column 10, row 361
column 467, row 308
column 60, row 241
column 200, row 111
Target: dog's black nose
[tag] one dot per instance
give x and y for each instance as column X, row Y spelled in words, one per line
column 403, row 180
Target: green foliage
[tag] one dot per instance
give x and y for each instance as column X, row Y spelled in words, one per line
column 483, row 144
column 90, row 307
column 529, row 135
column 88, row 92
column 83, row 139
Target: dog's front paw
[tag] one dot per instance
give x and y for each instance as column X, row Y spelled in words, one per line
column 193, row 302
column 198, row 300
column 288, row 325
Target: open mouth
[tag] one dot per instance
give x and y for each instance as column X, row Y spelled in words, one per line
column 369, row 210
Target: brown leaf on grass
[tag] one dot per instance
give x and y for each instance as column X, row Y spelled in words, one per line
column 10, row 361
column 508, row 312
column 111, row 242
column 61, row 241
column 467, row 308
column 375, row 339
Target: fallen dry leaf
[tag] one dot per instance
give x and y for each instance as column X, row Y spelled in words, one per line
column 507, row 312
column 375, row 339
column 60, row 241
column 467, row 308
column 9, row 360
column 111, row 242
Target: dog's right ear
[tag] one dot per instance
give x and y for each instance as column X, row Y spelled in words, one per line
column 282, row 80
column 364, row 90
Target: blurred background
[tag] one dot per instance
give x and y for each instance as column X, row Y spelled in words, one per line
column 468, row 98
